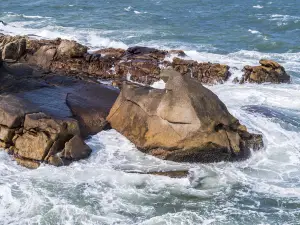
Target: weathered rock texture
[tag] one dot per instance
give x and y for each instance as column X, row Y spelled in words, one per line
column 268, row 71
column 185, row 122
column 12, row 48
column 141, row 64
column 207, row 73
column 45, row 117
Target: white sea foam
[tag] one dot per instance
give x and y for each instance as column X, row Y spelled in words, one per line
column 10, row 14
column 254, row 31
column 258, row 7
column 99, row 191
column 283, row 20
column 159, row 84
column 237, row 60
column 108, row 195
column 129, row 8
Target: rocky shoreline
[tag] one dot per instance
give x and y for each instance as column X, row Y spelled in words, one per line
column 50, row 101
column 142, row 64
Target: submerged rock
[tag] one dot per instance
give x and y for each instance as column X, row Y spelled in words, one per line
column 185, row 122
column 268, row 71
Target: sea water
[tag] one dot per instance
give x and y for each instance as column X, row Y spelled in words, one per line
column 265, row 189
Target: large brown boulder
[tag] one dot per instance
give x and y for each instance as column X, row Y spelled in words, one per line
column 185, row 122
column 268, row 71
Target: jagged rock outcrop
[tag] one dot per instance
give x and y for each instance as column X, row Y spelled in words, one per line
column 185, row 122
column 207, row 73
column 45, row 117
column 268, row 71
column 140, row 64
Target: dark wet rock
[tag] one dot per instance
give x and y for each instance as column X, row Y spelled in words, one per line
column 40, row 113
column 236, row 80
column 185, row 122
column 141, row 64
column 268, row 71
column 208, row 73
column 91, row 107
column 139, row 52
column 144, row 71
column 116, row 53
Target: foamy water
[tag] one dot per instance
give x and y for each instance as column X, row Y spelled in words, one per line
column 260, row 190
column 265, row 189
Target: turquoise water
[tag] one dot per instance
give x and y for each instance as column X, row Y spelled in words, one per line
column 264, row 189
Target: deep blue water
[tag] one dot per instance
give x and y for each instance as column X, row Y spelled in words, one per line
column 262, row 190
column 217, row 26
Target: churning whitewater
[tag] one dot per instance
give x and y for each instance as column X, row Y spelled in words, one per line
column 265, row 189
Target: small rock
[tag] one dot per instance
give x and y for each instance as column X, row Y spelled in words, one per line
column 55, row 161
column 269, row 71
column 76, row 149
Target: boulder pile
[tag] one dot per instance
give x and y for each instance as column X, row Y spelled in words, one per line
column 44, row 118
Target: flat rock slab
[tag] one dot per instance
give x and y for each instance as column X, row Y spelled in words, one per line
column 42, row 113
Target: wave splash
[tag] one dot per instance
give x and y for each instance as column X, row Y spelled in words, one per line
column 99, row 191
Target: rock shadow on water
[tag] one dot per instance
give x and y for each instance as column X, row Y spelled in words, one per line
column 288, row 119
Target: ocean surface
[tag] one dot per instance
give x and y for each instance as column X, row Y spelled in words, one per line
column 264, row 189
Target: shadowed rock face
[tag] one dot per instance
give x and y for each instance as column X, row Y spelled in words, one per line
column 185, row 122
column 268, row 71
column 44, row 117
